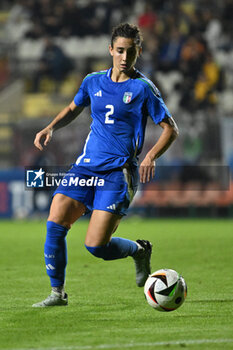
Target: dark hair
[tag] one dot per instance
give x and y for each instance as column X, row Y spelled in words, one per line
column 127, row 30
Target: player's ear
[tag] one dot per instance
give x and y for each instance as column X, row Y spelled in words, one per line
column 139, row 51
column 110, row 50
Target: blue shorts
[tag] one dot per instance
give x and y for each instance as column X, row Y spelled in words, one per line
column 111, row 191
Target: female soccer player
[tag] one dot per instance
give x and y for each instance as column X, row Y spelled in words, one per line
column 121, row 99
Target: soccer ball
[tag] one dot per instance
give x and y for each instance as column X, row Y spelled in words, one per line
column 165, row 290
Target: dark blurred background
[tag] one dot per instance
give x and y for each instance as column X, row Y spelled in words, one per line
column 48, row 46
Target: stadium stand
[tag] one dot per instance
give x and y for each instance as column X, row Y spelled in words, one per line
column 187, row 52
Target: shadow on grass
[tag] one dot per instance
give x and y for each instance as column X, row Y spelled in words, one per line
column 210, row 301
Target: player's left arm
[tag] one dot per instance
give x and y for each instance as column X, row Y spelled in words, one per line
column 169, row 134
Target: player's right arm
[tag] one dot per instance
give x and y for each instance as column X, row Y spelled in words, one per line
column 63, row 118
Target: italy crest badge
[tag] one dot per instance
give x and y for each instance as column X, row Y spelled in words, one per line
column 127, row 97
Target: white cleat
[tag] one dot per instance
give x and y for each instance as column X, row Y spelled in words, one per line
column 54, row 299
column 142, row 261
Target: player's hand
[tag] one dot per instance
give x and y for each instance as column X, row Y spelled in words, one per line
column 147, row 170
column 46, row 135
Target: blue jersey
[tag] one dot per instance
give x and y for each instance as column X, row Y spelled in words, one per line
column 119, row 112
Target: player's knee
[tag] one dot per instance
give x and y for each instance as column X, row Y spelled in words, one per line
column 59, row 221
column 99, row 252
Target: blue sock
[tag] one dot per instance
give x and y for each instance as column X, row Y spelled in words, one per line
column 55, row 253
column 117, row 248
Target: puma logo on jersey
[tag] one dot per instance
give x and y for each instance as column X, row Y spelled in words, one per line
column 99, row 93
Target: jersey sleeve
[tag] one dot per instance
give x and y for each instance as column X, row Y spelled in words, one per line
column 82, row 97
column 155, row 105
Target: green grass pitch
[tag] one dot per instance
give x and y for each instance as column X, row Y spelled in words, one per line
column 106, row 310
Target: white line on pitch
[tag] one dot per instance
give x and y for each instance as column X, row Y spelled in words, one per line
column 133, row 345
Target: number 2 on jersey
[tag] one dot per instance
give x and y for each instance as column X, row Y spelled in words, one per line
column 110, row 112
